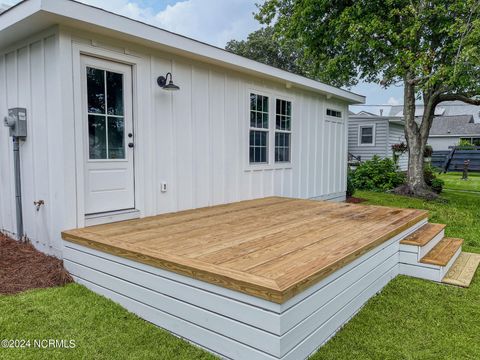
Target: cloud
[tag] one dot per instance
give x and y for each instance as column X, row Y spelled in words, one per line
column 211, row 21
column 393, row 101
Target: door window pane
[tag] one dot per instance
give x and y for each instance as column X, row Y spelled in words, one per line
column 114, row 93
column 116, row 138
column 96, row 91
column 105, row 95
column 97, row 139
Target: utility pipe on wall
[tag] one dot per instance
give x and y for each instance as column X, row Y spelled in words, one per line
column 18, row 186
column 16, row 121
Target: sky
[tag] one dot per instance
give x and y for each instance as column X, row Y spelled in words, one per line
column 216, row 22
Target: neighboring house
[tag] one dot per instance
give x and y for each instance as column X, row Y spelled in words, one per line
column 370, row 134
column 448, row 131
column 447, row 108
column 106, row 143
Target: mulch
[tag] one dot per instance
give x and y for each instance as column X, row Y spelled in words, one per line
column 22, row 267
column 355, row 200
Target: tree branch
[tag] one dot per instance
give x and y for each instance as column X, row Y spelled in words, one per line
column 458, row 97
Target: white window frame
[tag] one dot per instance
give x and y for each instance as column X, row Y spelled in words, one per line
column 363, row 126
column 270, row 164
column 280, row 131
column 332, row 116
column 265, row 130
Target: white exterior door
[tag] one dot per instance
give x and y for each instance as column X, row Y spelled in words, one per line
column 109, row 141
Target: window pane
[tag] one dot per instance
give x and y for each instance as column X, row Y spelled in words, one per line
column 97, row 137
column 253, row 102
column 96, row 90
column 367, row 131
column 252, row 155
column 253, row 119
column 114, row 93
column 282, row 147
column 265, row 104
column 265, row 121
column 116, row 138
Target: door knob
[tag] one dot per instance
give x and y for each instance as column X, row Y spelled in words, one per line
column 131, row 145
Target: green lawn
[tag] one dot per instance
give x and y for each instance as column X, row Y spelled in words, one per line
column 101, row 329
column 453, row 181
column 418, row 319
column 410, row 319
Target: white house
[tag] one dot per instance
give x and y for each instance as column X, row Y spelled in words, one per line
column 448, row 131
column 102, row 136
column 104, row 142
column 370, row 134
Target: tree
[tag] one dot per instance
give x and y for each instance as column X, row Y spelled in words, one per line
column 265, row 47
column 431, row 47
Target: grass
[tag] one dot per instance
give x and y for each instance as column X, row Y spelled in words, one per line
column 453, row 181
column 418, row 319
column 100, row 328
column 409, row 319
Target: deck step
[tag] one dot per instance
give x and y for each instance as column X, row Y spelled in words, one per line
column 423, row 235
column 443, row 252
column 463, row 269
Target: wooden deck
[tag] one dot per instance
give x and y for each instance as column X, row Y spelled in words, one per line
column 272, row 248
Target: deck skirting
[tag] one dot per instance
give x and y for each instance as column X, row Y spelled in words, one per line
column 230, row 323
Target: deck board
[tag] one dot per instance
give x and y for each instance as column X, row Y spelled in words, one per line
column 272, row 248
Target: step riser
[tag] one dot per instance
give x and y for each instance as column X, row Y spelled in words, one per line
column 431, row 244
column 419, row 270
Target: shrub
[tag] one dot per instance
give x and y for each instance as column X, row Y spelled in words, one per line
column 350, row 185
column 427, row 153
column 431, row 179
column 437, row 185
column 465, row 144
column 429, row 174
column 377, row 175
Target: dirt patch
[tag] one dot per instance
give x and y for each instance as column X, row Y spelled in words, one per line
column 22, row 267
column 355, row 200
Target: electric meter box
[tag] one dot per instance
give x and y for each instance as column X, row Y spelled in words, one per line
column 17, row 122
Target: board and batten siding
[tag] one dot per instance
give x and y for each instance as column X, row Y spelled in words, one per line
column 29, row 78
column 202, row 142
column 195, row 140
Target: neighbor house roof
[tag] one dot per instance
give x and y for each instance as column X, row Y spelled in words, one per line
column 446, row 108
column 31, row 16
column 458, row 125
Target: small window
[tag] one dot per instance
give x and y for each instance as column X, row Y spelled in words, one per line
column 283, row 130
column 334, row 113
column 367, row 134
column 258, row 129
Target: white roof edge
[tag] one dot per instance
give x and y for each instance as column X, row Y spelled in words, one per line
column 70, row 9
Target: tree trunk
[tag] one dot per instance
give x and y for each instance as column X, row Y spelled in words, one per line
column 416, row 140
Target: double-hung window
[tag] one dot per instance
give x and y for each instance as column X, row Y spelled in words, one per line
column 259, row 129
column 366, row 135
column 283, row 130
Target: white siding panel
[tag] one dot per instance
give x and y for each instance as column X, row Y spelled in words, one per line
column 29, row 76
column 195, row 140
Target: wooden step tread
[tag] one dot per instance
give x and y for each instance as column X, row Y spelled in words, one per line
column 423, row 235
column 443, row 252
column 462, row 271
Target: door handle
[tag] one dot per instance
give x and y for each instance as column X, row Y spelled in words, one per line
column 131, row 145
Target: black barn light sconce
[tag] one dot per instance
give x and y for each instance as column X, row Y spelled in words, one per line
column 162, row 82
